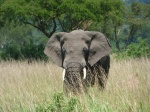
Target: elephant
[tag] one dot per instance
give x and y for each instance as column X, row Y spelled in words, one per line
column 83, row 55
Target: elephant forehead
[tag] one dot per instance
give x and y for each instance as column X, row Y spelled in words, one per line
column 77, row 31
column 75, row 36
column 74, row 44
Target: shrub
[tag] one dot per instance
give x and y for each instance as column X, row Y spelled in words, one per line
column 59, row 104
column 32, row 51
column 139, row 49
column 28, row 51
column 11, row 51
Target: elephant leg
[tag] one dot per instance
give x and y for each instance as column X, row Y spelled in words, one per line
column 102, row 68
column 105, row 64
column 90, row 79
column 101, row 76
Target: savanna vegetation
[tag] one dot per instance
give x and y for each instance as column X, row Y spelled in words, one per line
column 31, row 83
column 26, row 25
column 37, row 87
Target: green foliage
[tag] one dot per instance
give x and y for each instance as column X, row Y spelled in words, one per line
column 49, row 15
column 12, row 51
column 21, row 42
column 112, row 20
column 44, row 14
column 28, row 51
column 59, row 104
column 137, row 16
column 139, row 49
column 96, row 105
column 33, row 51
column 119, row 22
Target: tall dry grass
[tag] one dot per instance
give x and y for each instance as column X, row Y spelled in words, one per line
column 23, row 86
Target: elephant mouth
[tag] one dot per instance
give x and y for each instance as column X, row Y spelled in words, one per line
column 74, row 71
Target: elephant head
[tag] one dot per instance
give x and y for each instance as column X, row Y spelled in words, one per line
column 74, row 51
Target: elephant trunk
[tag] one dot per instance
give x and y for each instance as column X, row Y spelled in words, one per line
column 73, row 76
column 84, row 73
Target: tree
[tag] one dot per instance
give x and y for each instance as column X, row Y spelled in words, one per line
column 21, row 42
column 117, row 22
column 53, row 15
column 138, row 15
column 123, row 26
column 43, row 15
column 112, row 22
column 1, row 20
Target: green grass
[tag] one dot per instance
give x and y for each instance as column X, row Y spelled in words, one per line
column 37, row 87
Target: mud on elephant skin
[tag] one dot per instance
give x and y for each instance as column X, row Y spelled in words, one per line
column 83, row 55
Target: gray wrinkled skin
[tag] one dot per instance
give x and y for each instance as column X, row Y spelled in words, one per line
column 78, row 49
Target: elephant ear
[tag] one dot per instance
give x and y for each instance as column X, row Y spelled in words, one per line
column 53, row 48
column 99, row 47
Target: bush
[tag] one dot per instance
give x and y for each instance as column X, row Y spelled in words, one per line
column 32, row 51
column 139, row 49
column 21, row 42
column 59, row 104
column 11, row 52
column 28, row 51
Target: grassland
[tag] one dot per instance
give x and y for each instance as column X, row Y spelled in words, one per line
column 37, row 87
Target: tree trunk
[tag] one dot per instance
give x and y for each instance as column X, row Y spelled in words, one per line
column 116, row 39
column 118, row 46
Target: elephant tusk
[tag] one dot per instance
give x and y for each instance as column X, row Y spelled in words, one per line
column 84, row 73
column 64, row 72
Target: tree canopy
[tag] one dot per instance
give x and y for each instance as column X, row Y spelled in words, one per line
column 63, row 15
column 122, row 22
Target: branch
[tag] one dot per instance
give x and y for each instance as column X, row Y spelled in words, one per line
column 76, row 26
column 32, row 25
column 61, row 24
column 54, row 27
column 147, row 16
column 39, row 28
column 86, row 24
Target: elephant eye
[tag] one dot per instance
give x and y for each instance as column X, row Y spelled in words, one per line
column 85, row 53
column 88, row 42
column 85, row 50
column 64, row 50
column 62, row 43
